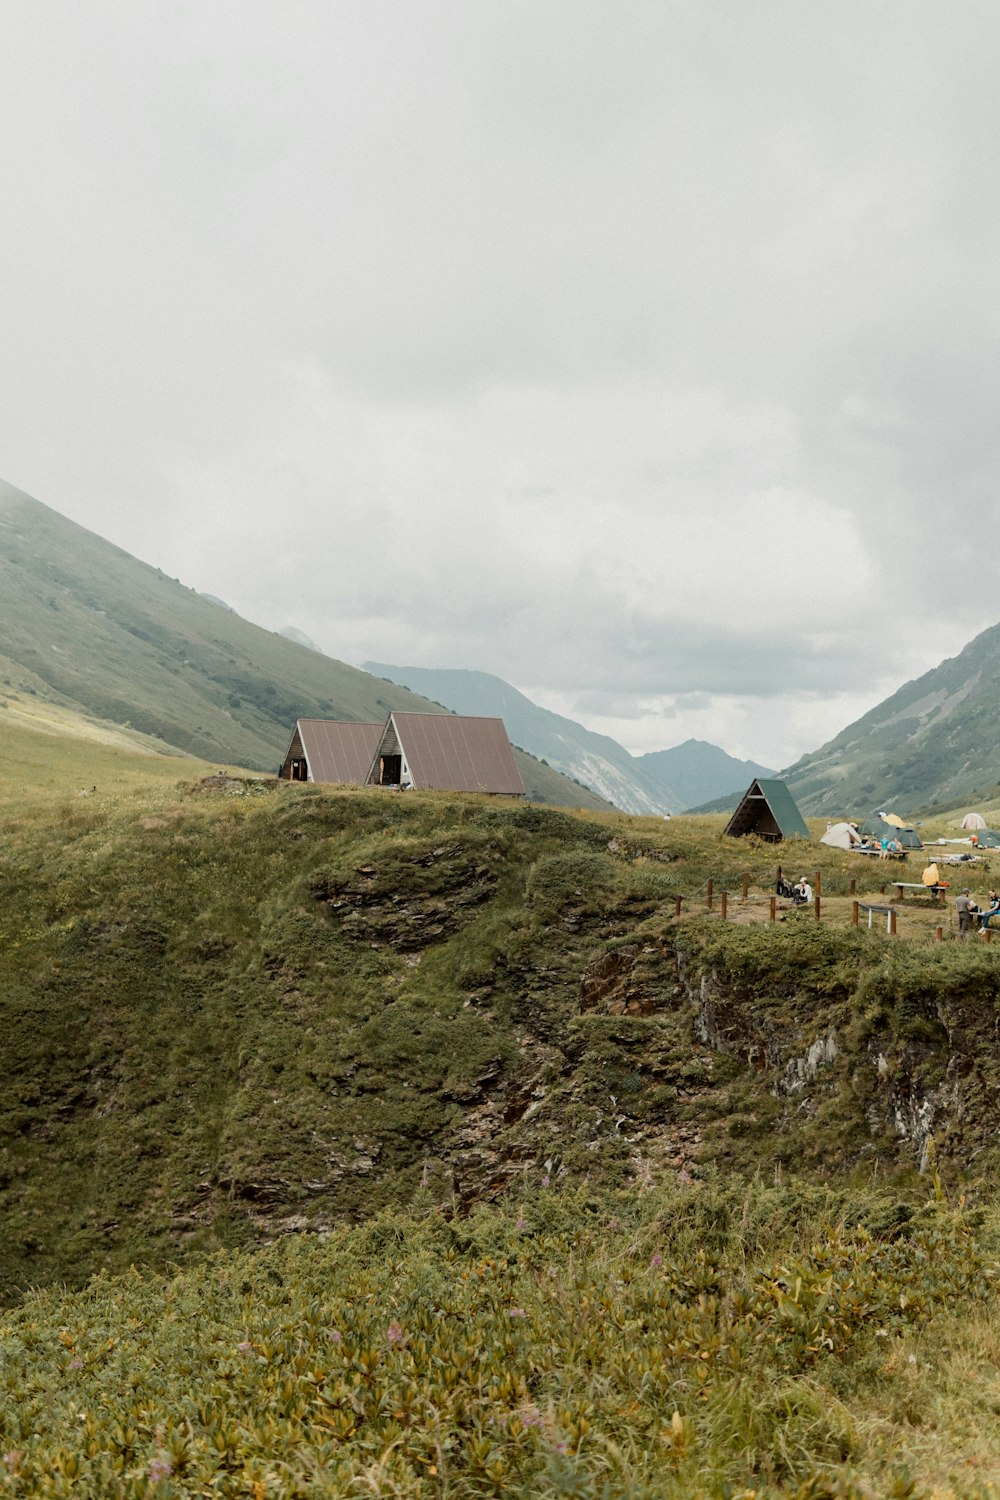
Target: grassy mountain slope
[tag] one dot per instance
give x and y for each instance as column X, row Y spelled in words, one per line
column 227, row 1018
column 94, row 630
column 596, row 759
column 49, row 753
column 700, row 772
column 932, row 742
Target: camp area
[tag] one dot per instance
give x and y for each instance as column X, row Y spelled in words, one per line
column 410, row 751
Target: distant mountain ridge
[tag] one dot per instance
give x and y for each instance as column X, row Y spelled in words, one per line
column 700, row 771
column 932, row 741
column 664, row 781
column 90, row 628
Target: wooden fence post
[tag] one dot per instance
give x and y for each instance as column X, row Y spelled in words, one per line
column 746, row 885
column 711, row 887
column 854, row 912
column 723, row 904
column 853, row 888
column 774, row 907
column 819, row 883
column 677, row 905
column 892, row 922
column 989, row 935
column 816, row 907
column 939, row 934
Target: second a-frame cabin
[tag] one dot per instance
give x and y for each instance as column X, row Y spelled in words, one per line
column 768, row 810
column 446, row 752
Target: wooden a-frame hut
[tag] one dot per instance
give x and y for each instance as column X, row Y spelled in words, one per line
column 768, row 810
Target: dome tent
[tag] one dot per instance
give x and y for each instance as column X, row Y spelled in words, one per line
column 973, row 820
column 876, row 827
column 841, row 836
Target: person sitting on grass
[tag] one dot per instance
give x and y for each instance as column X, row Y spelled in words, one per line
column 803, row 892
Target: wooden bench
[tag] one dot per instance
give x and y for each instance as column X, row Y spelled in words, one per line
column 935, row 892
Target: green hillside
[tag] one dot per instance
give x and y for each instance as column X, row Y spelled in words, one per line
column 402, row 1104
column 92, row 629
column 228, row 1017
column 932, row 743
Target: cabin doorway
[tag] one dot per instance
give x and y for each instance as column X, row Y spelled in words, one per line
column 390, row 770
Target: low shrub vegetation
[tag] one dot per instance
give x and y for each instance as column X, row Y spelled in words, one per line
column 718, row 1339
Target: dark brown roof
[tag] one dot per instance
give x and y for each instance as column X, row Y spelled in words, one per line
column 452, row 753
column 339, row 752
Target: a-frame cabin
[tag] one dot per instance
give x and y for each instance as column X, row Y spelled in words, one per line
column 446, row 752
column 768, row 809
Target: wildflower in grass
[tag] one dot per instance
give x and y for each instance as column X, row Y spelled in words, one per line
column 394, row 1334
column 546, row 1180
column 656, row 1262
column 76, row 1363
column 612, row 1225
column 12, row 1460
column 160, row 1468
column 521, row 1224
column 530, row 1416
column 335, row 1336
column 517, row 1312
column 246, row 1347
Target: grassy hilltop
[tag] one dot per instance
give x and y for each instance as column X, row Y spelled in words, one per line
column 488, row 1174
column 231, row 1017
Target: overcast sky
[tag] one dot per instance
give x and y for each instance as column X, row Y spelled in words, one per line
column 644, row 354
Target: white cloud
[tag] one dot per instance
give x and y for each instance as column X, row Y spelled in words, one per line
column 638, row 354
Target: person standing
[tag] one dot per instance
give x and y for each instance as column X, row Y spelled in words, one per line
column 967, row 909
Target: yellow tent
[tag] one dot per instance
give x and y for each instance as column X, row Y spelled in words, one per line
column 896, row 822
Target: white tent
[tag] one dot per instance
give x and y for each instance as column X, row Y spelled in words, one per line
column 973, row 820
column 841, row 836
